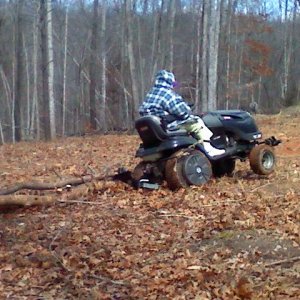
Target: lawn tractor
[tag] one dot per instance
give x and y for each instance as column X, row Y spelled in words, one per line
column 177, row 157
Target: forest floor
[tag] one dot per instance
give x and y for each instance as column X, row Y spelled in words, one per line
column 235, row 238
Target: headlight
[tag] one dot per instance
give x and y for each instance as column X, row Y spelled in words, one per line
column 257, row 136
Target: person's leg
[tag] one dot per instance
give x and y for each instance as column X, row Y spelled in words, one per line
column 202, row 133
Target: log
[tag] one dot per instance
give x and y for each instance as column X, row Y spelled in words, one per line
column 26, row 200
column 122, row 175
column 42, row 186
column 29, row 200
column 7, row 198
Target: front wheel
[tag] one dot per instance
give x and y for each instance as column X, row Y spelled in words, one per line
column 262, row 159
column 187, row 168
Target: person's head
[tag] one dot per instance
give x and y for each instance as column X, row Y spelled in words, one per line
column 165, row 78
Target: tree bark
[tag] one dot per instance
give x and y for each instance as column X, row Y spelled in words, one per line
column 28, row 97
column 228, row 50
column 30, row 200
column 8, row 93
column 198, row 56
column 156, row 41
column 64, row 102
column 103, row 118
column 132, row 61
column 42, row 186
column 45, row 113
column 204, row 58
column 51, row 71
column 1, row 134
column 35, row 118
column 18, row 73
column 214, row 31
column 172, row 12
column 93, row 70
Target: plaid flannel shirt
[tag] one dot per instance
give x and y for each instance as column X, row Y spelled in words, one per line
column 161, row 101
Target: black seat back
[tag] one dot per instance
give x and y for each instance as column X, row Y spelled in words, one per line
column 150, row 131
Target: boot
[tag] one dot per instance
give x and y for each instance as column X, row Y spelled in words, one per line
column 212, row 151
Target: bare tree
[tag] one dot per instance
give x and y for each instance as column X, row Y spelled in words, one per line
column 156, row 40
column 132, row 60
column 64, row 102
column 45, row 114
column 51, row 70
column 198, row 56
column 228, row 50
column 214, row 31
column 19, row 72
column 35, row 107
column 103, row 68
column 204, row 52
column 93, row 66
column 171, row 23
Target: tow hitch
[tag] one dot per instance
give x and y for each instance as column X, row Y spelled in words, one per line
column 271, row 141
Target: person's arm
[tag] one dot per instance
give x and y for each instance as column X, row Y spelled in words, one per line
column 177, row 107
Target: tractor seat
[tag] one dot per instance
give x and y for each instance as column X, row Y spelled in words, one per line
column 151, row 132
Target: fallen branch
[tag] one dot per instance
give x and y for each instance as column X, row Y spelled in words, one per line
column 178, row 215
column 283, row 261
column 26, row 200
column 123, row 175
column 106, row 279
column 29, row 200
column 41, row 186
column 261, row 186
column 80, row 202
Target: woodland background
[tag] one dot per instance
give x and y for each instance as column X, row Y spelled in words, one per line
column 69, row 67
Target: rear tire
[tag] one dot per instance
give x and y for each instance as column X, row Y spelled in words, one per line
column 187, row 168
column 262, row 159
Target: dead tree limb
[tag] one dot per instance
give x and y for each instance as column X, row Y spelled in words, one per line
column 122, row 175
column 42, row 186
column 283, row 261
column 29, row 200
column 26, row 200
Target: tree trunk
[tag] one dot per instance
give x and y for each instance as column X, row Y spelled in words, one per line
column 286, row 53
column 64, row 102
column 156, row 42
column 8, row 94
column 132, row 61
column 240, row 61
column 18, row 73
column 45, row 114
column 51, row 71
column 124, row 105
column 35, row 107
column 170, row 55
column 1, row 134
column 204, row 58
column 228, row 50
column 198, row 56
column 103, row 69
column 93, row 69
column 28, row 97
column 214, row 31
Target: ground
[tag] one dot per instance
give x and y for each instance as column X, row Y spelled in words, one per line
column 234, row 238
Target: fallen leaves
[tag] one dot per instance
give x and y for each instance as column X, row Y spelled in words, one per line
column 234, row 238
